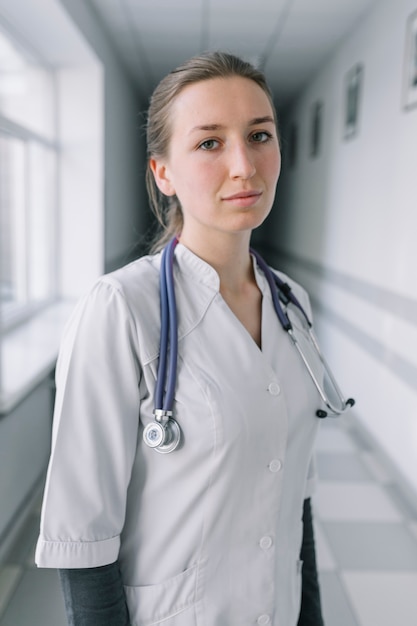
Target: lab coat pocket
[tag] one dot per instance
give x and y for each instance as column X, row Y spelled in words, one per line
column 171, row 602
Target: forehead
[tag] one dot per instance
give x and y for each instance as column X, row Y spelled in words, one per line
column 220, row 100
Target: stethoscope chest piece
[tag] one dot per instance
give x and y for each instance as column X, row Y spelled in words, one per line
column 163, row 435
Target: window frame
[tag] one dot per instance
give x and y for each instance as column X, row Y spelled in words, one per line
column 15, row 313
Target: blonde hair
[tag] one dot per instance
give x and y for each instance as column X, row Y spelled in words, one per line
column 158, row 127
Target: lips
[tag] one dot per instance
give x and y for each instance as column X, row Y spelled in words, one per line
column 243, row 199
column 242, row 195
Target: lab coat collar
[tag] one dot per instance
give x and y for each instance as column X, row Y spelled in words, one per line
column 196, row 268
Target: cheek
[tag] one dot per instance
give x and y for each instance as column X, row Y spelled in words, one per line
column 196, row 184
column 278, row 167
column 272, row 167
column 278, row 164
column 205, row 175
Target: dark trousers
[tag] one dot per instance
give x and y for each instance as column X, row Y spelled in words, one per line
column 310, row 613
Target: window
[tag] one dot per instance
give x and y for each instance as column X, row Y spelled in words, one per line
column 51, row 190
column 28, row 183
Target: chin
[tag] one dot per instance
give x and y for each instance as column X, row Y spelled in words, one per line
column 256, row 219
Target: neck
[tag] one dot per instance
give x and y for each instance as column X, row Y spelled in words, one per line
column 228, row 255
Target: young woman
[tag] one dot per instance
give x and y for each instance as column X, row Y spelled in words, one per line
column 210, row 533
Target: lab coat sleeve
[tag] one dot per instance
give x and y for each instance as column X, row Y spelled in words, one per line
column 94, row 435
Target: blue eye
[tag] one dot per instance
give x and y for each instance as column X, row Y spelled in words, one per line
column 209, row 144
column 261, row 136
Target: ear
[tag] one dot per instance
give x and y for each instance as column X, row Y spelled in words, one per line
column 161, row 174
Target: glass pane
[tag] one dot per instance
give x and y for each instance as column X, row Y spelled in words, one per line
column 27, row 225
column 41, row 221
column 26, row 90
column 13, row 286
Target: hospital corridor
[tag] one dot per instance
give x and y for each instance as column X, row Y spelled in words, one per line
column 75, row 81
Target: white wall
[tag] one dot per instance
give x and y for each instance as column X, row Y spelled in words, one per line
column 81, row 178
column 345, row 225
column 124, row 197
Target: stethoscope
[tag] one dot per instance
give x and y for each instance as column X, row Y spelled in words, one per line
column 163, row 433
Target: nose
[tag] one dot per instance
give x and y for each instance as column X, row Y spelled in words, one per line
column 242, row 163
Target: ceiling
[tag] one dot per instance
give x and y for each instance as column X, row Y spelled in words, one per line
column 288, row 39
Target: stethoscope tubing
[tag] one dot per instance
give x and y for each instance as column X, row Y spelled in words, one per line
column 273, row 282
column 169, row 333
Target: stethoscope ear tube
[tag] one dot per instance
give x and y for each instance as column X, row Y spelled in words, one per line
column 343, row 404
column 322, row 414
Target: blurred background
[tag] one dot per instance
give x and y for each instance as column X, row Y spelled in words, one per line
column 75, row 78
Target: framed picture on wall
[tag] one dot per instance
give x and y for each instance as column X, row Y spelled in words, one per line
column 353, row 94
column 410, row 63
column 316, row 129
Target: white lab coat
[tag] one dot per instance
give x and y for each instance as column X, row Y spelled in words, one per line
column 210, row 534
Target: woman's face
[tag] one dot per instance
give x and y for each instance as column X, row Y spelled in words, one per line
column 224, row 160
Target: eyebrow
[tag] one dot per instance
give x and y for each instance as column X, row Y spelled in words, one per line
column 254, row 122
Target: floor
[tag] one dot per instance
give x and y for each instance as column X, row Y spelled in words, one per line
column 366, row 536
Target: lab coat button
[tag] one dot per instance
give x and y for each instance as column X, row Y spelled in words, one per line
column 263, row 620
column 275, row 465
column 265, row 543
column 274, row 389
